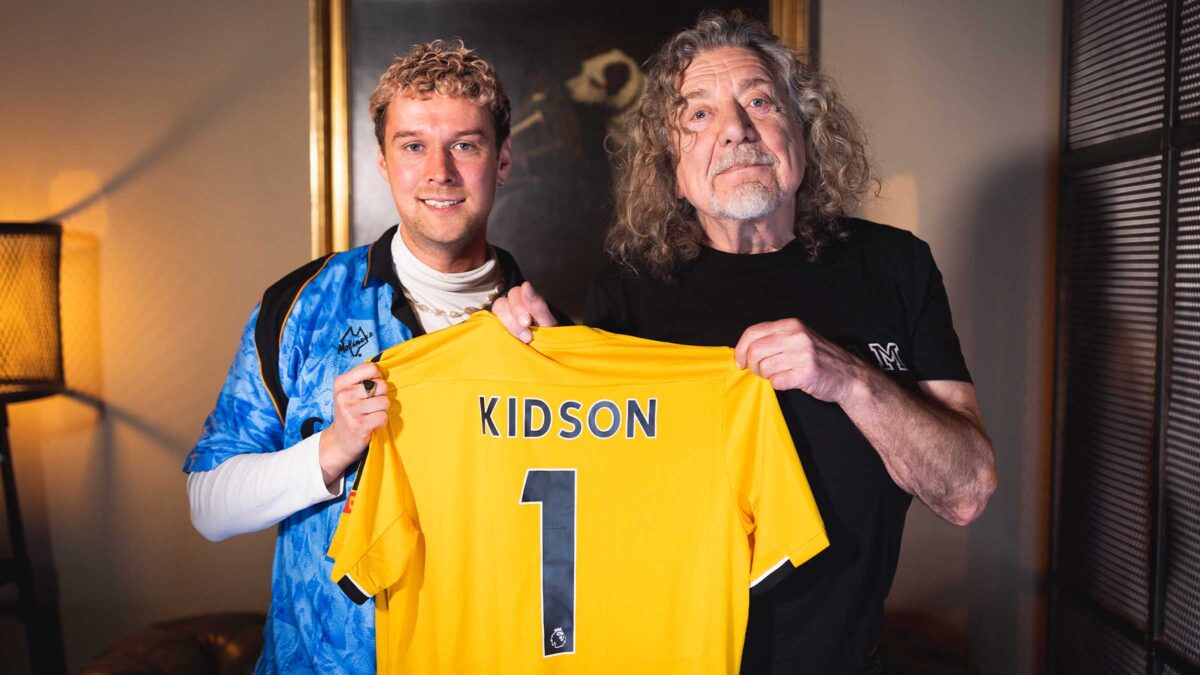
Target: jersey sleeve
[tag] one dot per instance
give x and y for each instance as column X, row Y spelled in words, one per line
column 770, row 488
column 245, row 417
column 376, row 537
column 937, row 353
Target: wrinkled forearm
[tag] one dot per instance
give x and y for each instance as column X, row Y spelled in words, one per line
column 933, row 449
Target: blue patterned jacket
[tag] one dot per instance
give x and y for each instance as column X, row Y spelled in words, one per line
column 311, row 326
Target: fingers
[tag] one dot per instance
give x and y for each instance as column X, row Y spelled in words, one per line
column 360, row 404
column 373, row 387
column 521, row 308
column 537, row 306
column 502, row 308
column 349, row 409
column 763, row 349
column 360, row 389
column 352, row 377
column 355, row 412
column 512, row 316
column 354, row 420
column 761, row 330
column 373, row 421
column 370, row 405
column 781, row 371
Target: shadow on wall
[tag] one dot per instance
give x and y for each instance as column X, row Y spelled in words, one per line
column 241, row 84
column 1008, row 301
column 72, row 472
column 79, row 200
column 80, row 316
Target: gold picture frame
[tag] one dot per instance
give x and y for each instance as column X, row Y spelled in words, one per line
column 329, row 153
column 328, row 138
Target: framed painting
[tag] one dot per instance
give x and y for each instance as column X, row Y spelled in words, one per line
column 570, row 69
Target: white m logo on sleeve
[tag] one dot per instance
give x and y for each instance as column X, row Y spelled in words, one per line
column 888, row 356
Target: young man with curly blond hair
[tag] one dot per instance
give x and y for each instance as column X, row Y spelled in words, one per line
column 732, row 228
column 297, row 410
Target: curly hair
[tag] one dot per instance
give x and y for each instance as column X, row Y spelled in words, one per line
column 447, row 69
column 652, row 228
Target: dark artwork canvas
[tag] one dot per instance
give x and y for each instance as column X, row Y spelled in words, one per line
column 573, row 71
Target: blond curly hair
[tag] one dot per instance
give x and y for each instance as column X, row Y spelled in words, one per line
column 655, row 230
column 446, row 68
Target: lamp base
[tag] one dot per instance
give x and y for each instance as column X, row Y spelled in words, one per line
column 37, row 595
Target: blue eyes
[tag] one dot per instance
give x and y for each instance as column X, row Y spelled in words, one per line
column 757, row 103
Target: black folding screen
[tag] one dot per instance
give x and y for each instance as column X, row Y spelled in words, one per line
column 1125, row 549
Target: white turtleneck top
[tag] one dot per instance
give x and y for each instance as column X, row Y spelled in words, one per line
column 429, row 290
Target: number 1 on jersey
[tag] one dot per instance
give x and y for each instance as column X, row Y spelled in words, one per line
column 554, row 489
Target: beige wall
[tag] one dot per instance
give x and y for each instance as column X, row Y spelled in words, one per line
column 961, row 104
column 175, row 134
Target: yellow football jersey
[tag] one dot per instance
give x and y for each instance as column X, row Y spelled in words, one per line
column 587, row 503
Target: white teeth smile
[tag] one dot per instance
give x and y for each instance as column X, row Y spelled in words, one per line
column 440, row 204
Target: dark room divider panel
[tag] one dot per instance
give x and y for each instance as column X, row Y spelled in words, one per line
column 1125, row 540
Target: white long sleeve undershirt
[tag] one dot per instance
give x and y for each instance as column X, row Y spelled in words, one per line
column 252, row 491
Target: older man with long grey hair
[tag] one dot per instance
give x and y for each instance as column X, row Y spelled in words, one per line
column 732, row 228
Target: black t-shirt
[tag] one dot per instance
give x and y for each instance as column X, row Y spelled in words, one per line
column 878, row 294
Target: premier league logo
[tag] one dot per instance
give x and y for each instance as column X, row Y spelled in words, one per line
column 558, row 638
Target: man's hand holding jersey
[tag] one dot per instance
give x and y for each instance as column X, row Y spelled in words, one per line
column 360, row 405
column 521, row 308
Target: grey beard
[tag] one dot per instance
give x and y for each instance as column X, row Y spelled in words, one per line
column 750, row 201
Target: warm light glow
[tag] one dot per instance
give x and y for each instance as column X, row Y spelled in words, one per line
column 23, row 196
column 30, row 343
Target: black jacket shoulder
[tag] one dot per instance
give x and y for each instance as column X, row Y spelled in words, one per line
column 273, row 310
